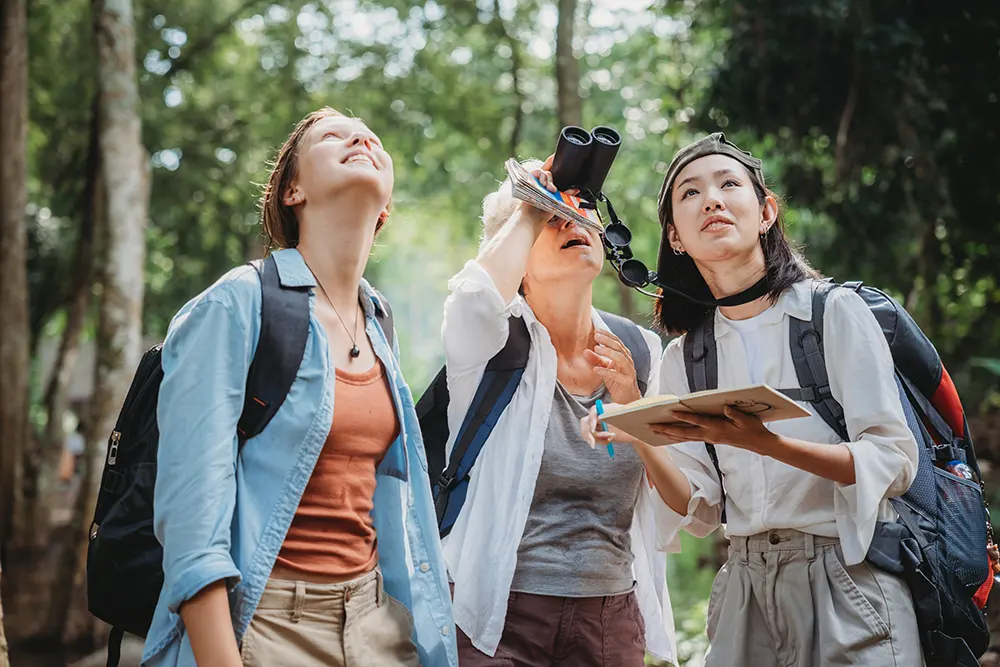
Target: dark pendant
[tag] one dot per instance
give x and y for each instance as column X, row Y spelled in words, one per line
column 355, row 352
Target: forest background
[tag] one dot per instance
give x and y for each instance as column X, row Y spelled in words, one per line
column 135, row 135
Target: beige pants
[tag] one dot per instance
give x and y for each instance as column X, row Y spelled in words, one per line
column 353, row 624
column 786, row 599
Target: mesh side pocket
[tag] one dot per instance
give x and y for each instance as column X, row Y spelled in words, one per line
column 923, row 492
column 962, row 523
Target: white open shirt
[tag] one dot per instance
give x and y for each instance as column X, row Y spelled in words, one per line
column 763, row 493
column 481, row 550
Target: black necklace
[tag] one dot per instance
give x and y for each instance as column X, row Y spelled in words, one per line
column 752, row 293
column 355, row 352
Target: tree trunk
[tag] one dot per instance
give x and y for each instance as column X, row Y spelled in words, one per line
column 14, row 343
column 44, row 467
column 569, row 104
column 125, row 186
column 515, row 72
column 68, row 547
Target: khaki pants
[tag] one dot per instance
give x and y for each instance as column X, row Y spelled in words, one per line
column 353, row 624
column 785, row 599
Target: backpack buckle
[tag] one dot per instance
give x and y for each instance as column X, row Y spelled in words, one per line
column 445, row 482
column 815, row 393
column 946, row 453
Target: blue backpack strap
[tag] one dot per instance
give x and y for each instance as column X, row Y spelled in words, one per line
column 284, row 327
column 805, row 339
column 496, row 389
column 631, row 335
column 701, row 363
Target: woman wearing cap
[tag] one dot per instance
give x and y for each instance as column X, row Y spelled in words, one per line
column 553, row 553
column 801, row 503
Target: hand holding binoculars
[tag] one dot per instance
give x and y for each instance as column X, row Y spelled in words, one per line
column 582, row 160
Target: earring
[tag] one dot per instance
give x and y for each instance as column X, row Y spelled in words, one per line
column 763, row 230
column 679, row 252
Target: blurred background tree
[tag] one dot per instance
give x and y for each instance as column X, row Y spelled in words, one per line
column 876, row 122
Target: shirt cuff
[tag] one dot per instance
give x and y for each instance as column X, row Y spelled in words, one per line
column 669, row 523
column 857, row 505
column 193, row 572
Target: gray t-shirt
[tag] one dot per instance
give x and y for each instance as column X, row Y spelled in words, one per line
column 576, row 540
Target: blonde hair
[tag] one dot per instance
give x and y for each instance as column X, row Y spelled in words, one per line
column 500, row 206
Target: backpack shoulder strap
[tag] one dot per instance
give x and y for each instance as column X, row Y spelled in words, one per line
column 383, row 313
column 805, row 339
column 701, row 357
column 701, row 364
column 284, row 327
column 631, row 335
column 496, row 389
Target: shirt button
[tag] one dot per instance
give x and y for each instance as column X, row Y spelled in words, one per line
column 444, row 631
column 773, row 538
column 425, row 567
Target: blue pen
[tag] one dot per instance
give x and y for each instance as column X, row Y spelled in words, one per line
column 604, row 427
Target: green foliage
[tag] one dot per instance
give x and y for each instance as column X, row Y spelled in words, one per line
column 690, row 575
column 876, row 121
column 992, row 365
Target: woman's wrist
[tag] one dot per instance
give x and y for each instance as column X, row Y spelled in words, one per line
column 532, row 217
column 768, row 443
column 209, row 626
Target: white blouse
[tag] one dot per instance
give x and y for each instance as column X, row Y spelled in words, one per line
column 764, row 493
column 481, row 550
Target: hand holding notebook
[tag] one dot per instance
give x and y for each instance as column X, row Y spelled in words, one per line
column 636, row 418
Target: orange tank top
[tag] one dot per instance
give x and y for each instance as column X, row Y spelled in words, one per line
column 332, row 533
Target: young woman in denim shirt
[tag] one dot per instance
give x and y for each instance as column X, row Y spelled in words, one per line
column 270, row 551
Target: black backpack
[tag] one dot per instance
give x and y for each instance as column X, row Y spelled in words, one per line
column 939, row 543
column 124, row 557
column 500, row 380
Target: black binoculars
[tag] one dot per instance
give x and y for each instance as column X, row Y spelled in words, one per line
column 583, row 159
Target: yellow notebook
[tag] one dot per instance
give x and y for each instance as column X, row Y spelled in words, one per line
column 760, row 400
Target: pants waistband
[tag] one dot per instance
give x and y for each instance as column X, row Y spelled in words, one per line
column 785, row 539
column 299, row 596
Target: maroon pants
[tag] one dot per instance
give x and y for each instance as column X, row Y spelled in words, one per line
column 547, row 631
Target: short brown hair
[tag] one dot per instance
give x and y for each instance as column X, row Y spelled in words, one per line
column 280, row 226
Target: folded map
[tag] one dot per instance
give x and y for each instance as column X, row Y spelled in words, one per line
column 527, row 188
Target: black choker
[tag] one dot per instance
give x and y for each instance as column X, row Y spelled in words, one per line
column 752, row 293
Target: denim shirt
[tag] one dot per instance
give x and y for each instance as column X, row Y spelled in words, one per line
column 222, row 513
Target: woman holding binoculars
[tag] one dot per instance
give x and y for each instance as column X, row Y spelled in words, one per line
column 553, row 556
